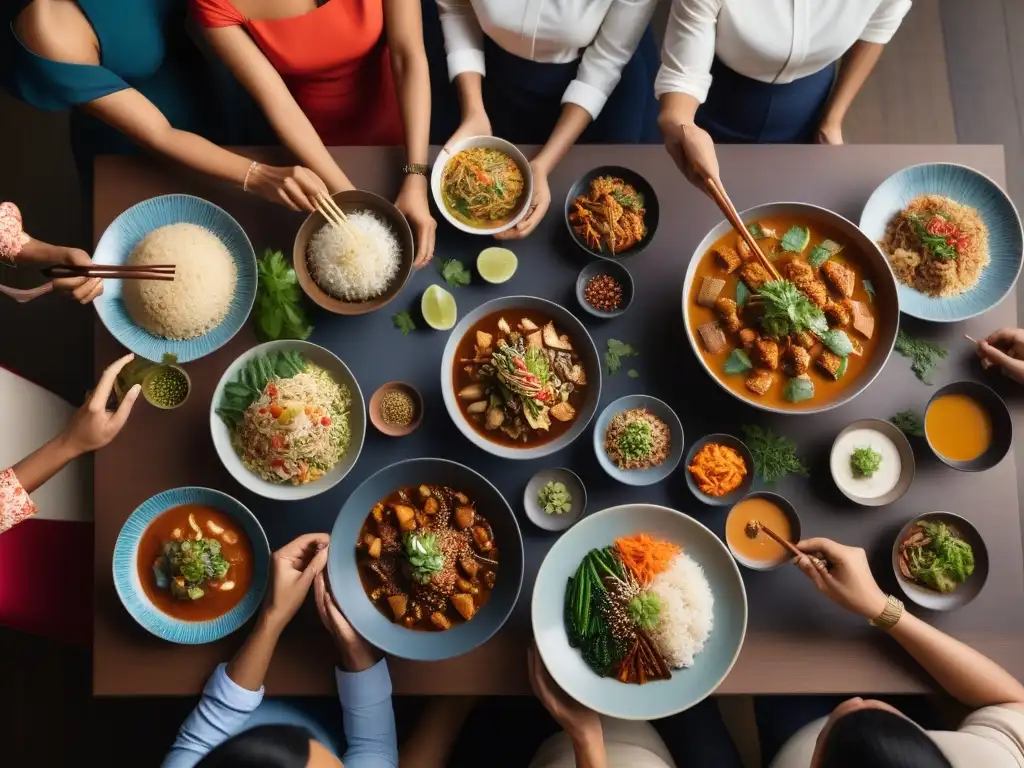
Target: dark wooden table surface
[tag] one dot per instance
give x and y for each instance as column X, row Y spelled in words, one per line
column 796, row 641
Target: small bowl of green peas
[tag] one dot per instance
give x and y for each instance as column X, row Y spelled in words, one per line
column 166, row 386
column 555, row 499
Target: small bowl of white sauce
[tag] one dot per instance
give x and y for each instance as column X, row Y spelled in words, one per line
column 872, row 462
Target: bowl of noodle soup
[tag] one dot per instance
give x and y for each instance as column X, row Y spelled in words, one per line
column 482, row 185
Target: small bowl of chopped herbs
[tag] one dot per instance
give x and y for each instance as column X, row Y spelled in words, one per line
column 396, row 408
column 940, row 561
column 555, row 499
column 638, row 440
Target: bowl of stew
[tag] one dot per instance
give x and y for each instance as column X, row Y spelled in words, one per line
column 190, row 565
column 426, row 559
column 521, row 377
column 807, row 342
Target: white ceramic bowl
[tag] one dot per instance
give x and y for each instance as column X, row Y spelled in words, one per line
column 357, row 423
column 490, row 142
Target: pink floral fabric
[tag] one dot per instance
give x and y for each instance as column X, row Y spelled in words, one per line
column 12, row 236
column 15, row 504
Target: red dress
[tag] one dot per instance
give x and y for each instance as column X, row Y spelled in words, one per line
column 334, row 61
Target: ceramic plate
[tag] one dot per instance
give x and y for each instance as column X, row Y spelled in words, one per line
column 660, row 409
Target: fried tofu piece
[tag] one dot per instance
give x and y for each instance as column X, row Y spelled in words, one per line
column 713, row 337
column 745, row 251
column 464, row 605
column 830, row 363
column 797, row 271
column 765, row 354
column 728, row 315
column 760, row 381
column 710, row 288
column 796, row 361
column 837, row 314
column 839, row 276
column 801, row 274
column 747, row 337
column 802, row 339
column 727, row 258
column 754, row 275
column 863, row 320
column 563, row 412
column 816, row 291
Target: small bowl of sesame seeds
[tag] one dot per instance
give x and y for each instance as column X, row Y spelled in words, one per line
column 396, row 409
column 604, row 288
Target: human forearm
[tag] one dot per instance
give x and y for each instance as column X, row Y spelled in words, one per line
column 302, row 140
column 589, row 749
column 249, row 666
column 964, row 673
column 412, row 84
column 571, row 123
column 469, row 86
column 677, row 108
column 42, row 464
column 854, row 68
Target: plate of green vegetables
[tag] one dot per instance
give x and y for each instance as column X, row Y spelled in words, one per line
column 940, row 561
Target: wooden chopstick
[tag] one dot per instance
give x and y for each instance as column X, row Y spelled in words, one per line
column 330, row 210
column 817, row 561
column 973, row 341
column 98, row 270
column 122, row 273
column 725, row 204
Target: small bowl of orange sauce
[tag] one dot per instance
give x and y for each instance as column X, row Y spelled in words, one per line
column 752, row 548
column 968, row 426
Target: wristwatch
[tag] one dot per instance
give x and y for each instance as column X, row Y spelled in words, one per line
column 418, row 168
column 890, row 616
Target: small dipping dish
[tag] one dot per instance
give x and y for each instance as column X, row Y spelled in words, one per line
column 386, row 409
column 577, row 501
column 166, row 386
column 894, row 475
column 965, row 592
column 761, row 552
column 601, row 270
column 968, row 426
column 726, row 441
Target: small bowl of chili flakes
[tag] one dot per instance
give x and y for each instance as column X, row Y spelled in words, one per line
column 604, row 288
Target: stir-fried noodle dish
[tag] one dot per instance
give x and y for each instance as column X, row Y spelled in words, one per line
column 482, row 187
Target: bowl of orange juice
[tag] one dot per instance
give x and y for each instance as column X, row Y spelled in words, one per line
column 968, row 426
column 745, row 535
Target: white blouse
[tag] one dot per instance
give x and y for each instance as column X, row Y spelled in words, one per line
column 550, row 31
column 774, row 41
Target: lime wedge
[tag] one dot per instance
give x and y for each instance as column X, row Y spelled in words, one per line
column 438, row 308
column 496, row 265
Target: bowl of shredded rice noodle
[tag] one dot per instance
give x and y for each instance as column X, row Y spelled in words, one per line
column 288, row 420
column 357, row 267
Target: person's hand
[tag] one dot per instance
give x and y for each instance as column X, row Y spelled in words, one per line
column 848, row 582
column 93, row 426
column 829, row 133
column 292, row 570
column 81, row 289
column 1004, row 349
column 412, row 202
column 578, row 721
column 294, row 187
column 357, row 655
column 474, row 124
column 692, row 149
column 539, row 204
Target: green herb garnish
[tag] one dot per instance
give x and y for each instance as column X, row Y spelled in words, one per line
column 742, row 293
column 774, row 455
column 787, row 310
column 250, row 381
column 865, row 461
column 536, row 362
column 454, row 273
column 738, row 362
column 278, row 309
column 944, row 562
column 189, row 564
column 837, row 341
column 935, row 243
column 554, row 498
column 423, row 554
column 645, row 610
column 616, row 351
column 822, row 252
column 403, row 321
column 869, row 289
column 636, row 441
column 633, row 202
column 796, row 239
column 799, row 389
column 756, row 230
column 923, row 355
column 909, row 423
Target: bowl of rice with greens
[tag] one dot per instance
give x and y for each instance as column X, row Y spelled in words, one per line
column 357, row 267
column 288, row 420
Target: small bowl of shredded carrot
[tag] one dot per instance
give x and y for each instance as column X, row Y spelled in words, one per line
column 719, row 469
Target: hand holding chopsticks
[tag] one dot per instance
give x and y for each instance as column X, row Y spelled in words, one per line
column 111, row 271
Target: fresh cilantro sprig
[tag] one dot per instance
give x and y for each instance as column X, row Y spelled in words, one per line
column 616, row 351
column 278, row 311
column 935, row 243
column 403, row 321
column 455, row 274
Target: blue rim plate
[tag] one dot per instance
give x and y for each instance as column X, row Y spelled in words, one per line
column 655, row 699
column 126, row 573
column 968, row 187
column 121, row 237
column 638, row 477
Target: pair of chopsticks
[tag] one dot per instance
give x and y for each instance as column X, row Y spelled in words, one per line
column 725, row 204
column 113, row 271
column 817, row 561
column 335, row 216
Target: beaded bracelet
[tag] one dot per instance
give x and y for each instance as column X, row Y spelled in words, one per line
column 245, row 183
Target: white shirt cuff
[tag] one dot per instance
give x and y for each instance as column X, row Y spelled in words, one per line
column 879, row 35
column 466, row 60
column 223, row 689
column 669, row 81
column 587, row 96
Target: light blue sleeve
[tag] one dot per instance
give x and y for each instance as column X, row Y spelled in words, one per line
column 368, row 717
column 221, row 713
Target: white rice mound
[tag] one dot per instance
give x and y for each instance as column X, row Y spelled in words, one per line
column 355, row 269
column 687, row 611
column 198, row 298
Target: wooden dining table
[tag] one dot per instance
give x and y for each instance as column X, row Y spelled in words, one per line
column 796, row 641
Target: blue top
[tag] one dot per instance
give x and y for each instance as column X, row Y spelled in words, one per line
column 227, row 709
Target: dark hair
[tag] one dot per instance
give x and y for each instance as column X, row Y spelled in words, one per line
column 880, row 739
column 266, row 746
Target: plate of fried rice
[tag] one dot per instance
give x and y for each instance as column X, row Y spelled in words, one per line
column 952, row 237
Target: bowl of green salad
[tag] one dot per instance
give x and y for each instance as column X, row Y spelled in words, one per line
column 555, row 499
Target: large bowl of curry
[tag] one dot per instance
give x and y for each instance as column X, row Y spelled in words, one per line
column 807, row 342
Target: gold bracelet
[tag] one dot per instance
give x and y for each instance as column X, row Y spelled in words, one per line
column 890, row 616
column 245, row 183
